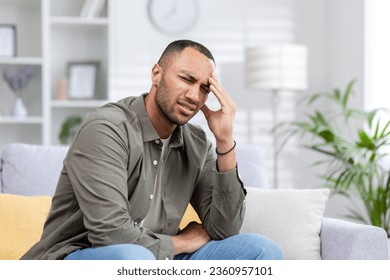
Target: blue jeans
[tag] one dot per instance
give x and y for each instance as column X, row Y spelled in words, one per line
column 246, row 246
column 237, row 247
column 113, row 252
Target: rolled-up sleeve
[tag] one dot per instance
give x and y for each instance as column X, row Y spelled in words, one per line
column 97, row 166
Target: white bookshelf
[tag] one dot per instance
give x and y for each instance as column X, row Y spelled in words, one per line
column 79, row 21
column 50, row 35
column 78, row 103
column 20, row 60
column 27, row 120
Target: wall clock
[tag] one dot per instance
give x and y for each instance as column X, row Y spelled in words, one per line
column 173, row 17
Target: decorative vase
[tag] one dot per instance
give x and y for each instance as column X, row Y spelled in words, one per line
column 19, row 110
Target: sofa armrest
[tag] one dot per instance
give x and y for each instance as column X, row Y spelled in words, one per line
column 342, row 240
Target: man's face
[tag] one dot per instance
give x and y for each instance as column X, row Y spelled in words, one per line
column 184, row 85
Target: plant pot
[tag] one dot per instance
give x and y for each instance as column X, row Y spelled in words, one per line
column 19, row 110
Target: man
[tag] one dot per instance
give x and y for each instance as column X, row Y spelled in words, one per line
column 134, row 166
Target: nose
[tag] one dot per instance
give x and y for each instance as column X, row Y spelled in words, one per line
column 193, row 94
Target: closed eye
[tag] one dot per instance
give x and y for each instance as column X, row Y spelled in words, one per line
column 188, row 79
column 206, row 89
column 192, row 80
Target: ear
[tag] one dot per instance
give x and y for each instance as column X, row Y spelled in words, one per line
column 156, row 74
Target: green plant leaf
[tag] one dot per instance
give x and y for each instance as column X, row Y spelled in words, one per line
column 385, row 131
column 365, row 140
column 314, row 97
column 336, row 95
column 68, row 127
column 347, row 93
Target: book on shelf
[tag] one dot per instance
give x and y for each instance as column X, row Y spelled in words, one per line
column 92, row 8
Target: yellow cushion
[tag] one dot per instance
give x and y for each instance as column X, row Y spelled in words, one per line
column 21, row 223
column 189, row 216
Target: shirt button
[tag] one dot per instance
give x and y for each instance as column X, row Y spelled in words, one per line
column 155, row 162
column 157, row 141
column 151, row 196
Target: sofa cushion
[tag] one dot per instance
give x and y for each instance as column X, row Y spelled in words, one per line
column 21, row 220
column 290, row 217
column 189, row 216
column 31, row 169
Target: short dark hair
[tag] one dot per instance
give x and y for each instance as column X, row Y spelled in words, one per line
column 179, row 45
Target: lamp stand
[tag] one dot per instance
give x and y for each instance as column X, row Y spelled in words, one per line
column 275, row 112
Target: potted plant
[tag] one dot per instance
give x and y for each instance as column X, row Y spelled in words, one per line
column 354, row 160
column 69, row 128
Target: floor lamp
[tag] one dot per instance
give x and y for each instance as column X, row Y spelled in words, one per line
column 276, row 67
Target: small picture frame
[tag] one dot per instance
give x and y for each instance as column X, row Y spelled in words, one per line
column 82, row 79
column 7, row 40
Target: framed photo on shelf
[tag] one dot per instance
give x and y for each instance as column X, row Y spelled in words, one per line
column 82, row 79
column 7, row 40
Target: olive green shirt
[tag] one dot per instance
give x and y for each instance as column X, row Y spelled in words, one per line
column 108, row 175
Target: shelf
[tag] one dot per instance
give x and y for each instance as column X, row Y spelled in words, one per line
column 27, row 120
column 22, row 3
column 97, row 21
column 77, row 103
column 21, row 60
column 50, row 35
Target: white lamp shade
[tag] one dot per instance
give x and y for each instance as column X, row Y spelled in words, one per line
column 279, row 67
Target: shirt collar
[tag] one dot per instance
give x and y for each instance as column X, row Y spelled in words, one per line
column 148, row 131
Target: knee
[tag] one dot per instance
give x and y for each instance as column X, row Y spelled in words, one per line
column 130, row 252
column 263, row 248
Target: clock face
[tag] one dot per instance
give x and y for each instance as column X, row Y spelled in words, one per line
column 173, row 16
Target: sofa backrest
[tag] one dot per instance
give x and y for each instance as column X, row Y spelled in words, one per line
column 34, row 169
column 251, row 166
column 31, row 169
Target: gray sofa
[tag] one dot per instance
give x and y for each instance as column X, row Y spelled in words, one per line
column 32, row 170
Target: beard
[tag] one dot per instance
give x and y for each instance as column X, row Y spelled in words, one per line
column 162, row 101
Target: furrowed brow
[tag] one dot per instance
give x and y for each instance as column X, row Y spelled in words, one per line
column 192, row 78
column 189, row 76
